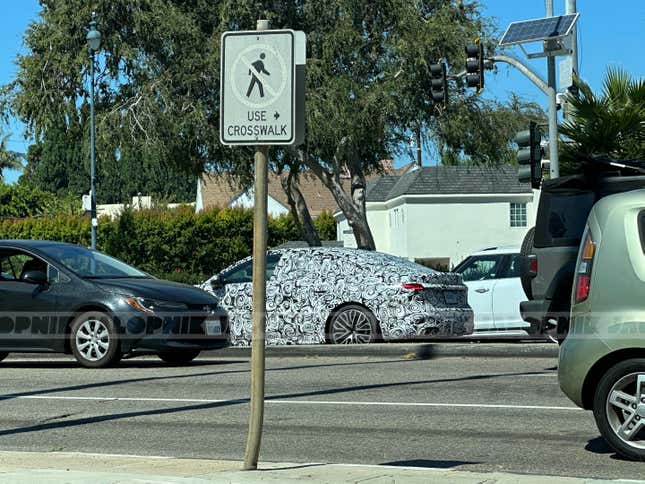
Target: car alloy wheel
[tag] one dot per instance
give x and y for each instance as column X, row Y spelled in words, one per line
column 619, row 408
column 353, row 325
column 94, row 340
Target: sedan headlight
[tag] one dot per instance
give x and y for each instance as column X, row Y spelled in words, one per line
column 151, row 306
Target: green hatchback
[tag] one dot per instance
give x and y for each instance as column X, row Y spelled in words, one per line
column 602, row 359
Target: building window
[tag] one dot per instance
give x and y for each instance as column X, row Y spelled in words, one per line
column 518, row 215
column 397, row 218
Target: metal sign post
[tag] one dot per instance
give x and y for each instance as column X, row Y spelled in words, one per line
column 261, row 104
column 256, row 417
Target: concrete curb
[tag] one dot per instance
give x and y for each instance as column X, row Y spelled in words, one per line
column 28, row 467
column 421, row 351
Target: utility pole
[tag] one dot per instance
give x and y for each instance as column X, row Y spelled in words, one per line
column 553, row 106
column 256, row 418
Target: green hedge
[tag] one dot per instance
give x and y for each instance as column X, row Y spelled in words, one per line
column 173, row 244
column 24, row 201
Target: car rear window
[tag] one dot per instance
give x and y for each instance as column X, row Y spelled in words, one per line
column 561, row 217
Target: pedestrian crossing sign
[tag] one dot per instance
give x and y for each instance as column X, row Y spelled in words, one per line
column 258, row 87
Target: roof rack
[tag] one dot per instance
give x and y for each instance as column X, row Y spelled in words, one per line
column 596, row 161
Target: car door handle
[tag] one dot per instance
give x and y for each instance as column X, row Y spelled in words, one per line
column 482, row 290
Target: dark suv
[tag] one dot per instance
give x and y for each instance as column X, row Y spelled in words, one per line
column 550, row 249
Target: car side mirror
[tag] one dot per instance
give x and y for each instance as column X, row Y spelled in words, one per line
column 217, row 283
column 35, row 277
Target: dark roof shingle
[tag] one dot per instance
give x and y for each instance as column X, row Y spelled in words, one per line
column 447, row 180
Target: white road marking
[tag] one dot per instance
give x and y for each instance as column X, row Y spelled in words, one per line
column 270, row 401
column 427, row 404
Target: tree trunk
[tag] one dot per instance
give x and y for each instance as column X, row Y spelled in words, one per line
column 353, row 207
column 300, row 211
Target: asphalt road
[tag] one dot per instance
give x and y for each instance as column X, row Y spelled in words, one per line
column 474, row 413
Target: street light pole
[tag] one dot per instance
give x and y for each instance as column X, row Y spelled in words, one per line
column 94, row 43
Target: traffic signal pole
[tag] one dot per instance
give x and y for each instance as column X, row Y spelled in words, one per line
column 570, row 9
column 547, row 89
column 530, row 74
column 553, row 134
column 553, row 106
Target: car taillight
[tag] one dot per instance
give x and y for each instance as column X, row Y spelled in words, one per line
column 413, row 286
column 533, row 265
column 582, row 288
column 585, row 264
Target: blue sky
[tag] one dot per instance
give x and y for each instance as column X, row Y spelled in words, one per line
column 609, row 33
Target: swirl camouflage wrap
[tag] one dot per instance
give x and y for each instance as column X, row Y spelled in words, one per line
column 306, row 288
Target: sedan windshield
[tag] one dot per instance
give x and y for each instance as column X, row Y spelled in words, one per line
column 90, row 264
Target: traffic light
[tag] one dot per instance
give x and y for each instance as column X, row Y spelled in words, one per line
column 475, row 66
column 529, row 155
column 438, row 83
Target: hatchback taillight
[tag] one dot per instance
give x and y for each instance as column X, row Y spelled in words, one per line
column 582, row 288
column 585, row 264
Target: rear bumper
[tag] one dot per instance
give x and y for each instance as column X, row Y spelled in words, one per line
column 544, row 317
column 446, row 324
column 578, row 354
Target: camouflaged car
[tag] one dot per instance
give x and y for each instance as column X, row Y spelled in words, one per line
column 343, row 296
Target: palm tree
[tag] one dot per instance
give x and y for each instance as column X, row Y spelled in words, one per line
column 8, row 158
column 611, row 124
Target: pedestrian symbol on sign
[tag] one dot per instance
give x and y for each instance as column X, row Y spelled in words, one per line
column 257, row 69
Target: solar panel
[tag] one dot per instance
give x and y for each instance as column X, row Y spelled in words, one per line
column 538, row 29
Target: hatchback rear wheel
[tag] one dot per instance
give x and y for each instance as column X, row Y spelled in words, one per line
column 619, row 408
column 353, row 324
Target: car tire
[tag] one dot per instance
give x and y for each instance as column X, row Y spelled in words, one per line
column 94, row 340
column 179, row 357
column 3, row 355
column 353, row 324
column 525, row 251
column 613, row 407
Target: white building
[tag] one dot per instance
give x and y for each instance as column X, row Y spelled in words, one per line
column 114, row 210
column 441, row 214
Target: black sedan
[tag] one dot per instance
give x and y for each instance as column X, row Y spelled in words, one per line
column 62, row 298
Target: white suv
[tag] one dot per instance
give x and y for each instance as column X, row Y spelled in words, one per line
column 495, row 291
